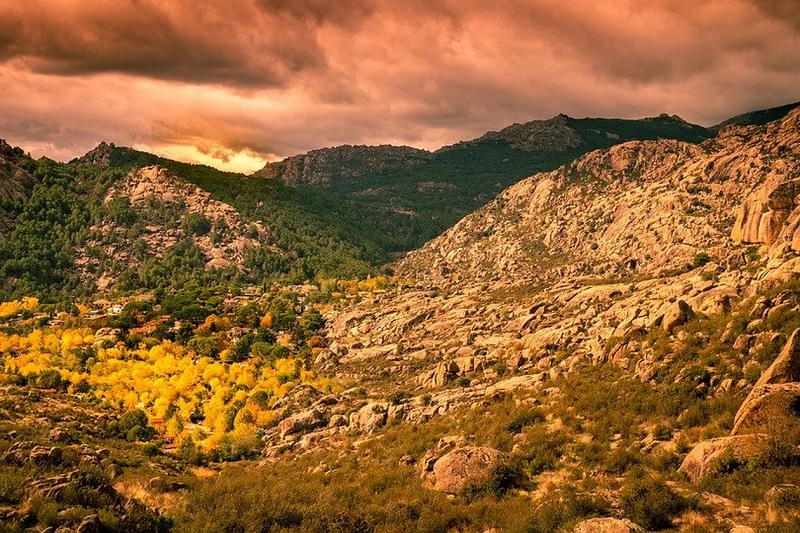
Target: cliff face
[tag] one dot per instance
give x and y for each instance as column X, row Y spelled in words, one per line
column 643, row 206
column 769, row 214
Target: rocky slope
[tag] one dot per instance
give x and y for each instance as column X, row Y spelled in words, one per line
column 222, row 234
column 16, row 182
column 760, row 117
column 563, row 133
column 639, row 207
column 606, row 344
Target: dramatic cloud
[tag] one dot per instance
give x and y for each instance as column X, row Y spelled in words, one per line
column 240, row 83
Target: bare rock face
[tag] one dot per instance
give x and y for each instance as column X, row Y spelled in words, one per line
column 768, row 408
column 369, row 418
column 459, row 469
column 786, row 368
column 762, row 216
column 703, row 459
column 302, row 422
column 607, row 525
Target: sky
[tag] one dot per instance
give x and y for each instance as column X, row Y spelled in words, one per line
column 237, row 83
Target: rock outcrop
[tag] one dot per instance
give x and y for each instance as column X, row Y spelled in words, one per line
column 639, row 207
column 607, row 525
column 705, row 458
column 770, row 412
column 320, row 168
column 769, row 408
column 155, row 188
column 462, row 468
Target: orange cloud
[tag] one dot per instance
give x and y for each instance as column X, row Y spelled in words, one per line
column 237, row 84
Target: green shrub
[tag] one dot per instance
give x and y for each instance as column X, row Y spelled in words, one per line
column 196, row 224
column 700, row 259
column 522, row 419
column 397, row 397
column 150, row 449
column 650, row 502
column 566, row 509
column 621, row 460
column 504, row 476
column 134, row 426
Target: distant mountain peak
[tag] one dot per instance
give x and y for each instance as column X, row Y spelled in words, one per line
column 341, row 163
column 100, row 156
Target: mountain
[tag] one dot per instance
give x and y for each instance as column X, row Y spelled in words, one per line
column 120, row 220
column 611, row 345
column 641, row 206
column 760, row 117
column 320, row 168
column 405, row 197
column 334, row 212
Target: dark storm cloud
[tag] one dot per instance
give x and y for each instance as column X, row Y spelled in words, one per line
column 181, row 41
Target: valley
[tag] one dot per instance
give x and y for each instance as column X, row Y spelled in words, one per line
column 567, row 325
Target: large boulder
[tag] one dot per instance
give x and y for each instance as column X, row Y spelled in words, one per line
column 703, row 460
column 465, row 467
column 786, row 367
column 301, row 422
column 607, row 525
column 369, row 418
column 763, row 215
column 676, row 315
column 768, row 409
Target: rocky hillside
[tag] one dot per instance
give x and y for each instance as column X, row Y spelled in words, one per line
column 636, row 208
column 631, row 316
column 16, row 182
column 563, row 133
column 610, row 346
column 404, row 197
column 183, row 211
column 320, row 168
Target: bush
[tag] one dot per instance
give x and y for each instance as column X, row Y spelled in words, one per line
column 504, row 476
column 397, row 397
column 150, row 449
column 196, row 224
column 700, row 259
column 567, row 509
column 522, row 419
column 50, row 379
column 134, row 426
column 621, row 460
column 140, row 434
column 650, row 502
